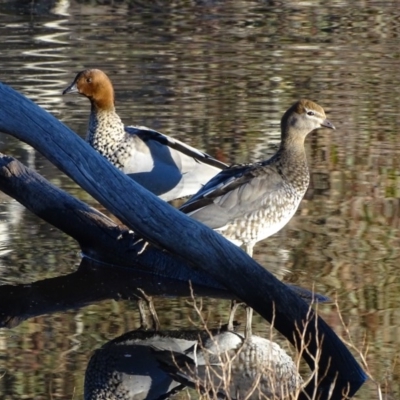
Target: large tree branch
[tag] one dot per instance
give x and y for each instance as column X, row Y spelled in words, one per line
column 98, row 236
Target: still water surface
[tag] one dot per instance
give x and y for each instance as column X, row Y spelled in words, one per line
column 218, row 75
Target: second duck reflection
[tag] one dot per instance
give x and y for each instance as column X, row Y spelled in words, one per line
column 222, row 363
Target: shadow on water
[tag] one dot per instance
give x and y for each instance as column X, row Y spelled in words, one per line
column 92, row 282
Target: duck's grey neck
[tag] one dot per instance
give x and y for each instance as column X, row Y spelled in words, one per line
column 293, row 142
column 293, row 161
column 105, row 131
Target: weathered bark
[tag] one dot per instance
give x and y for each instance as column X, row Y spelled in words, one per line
column 99, row 237
column 204, row 249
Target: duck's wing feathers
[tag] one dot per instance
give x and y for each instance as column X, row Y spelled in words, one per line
column 222, row 183
column 235, row 192
column 165, row 166
column 147, row 134
column 185, row 370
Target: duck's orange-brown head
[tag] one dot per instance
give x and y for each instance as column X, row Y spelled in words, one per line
column 96, row 86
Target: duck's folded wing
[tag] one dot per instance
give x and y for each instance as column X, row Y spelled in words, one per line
column 148, row 135
column 222, row 183
column 165, row 166
column 234, row 193
column 186, row 371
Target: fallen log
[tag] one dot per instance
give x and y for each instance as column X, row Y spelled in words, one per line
column 156, row 272
column 205, row 250
column 100, row 238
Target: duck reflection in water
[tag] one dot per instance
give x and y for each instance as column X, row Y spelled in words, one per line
column 226, row 364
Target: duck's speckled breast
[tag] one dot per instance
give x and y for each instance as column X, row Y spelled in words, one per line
column 106, row 134
column 272, row 216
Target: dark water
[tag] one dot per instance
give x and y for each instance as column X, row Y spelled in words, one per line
column 218, row 75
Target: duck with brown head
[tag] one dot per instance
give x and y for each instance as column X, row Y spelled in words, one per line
column 165, row 166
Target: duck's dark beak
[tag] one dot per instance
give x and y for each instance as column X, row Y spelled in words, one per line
column 71, row 88
column 327, row 124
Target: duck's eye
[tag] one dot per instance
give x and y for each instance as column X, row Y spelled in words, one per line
column 89, row 80
column 311, row 113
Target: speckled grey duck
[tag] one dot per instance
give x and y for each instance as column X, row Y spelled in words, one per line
column 235, row 366
column 248, row 203
column 165, row 166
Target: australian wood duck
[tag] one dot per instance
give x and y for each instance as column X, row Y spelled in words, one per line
column 165, row 166
column 248, row 203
